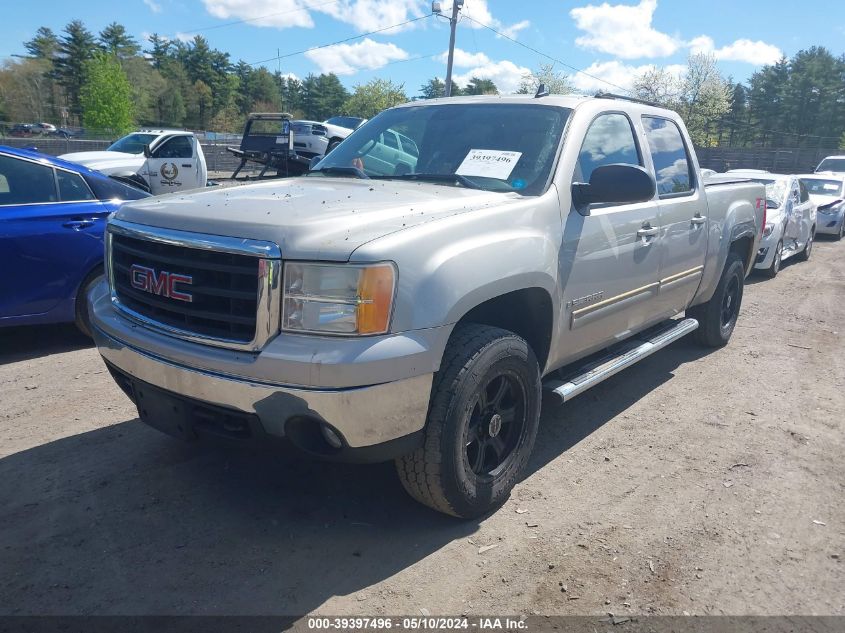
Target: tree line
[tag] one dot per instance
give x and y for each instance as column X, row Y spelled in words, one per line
column 110, row 80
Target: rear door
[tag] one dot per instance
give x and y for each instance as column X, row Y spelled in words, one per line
column 51, row 235
column 608, row 259
column 795, row 211
column 682, row 208
column 173, row 166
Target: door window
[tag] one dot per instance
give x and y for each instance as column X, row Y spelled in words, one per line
column 805, row 195
column 72, row 187
column 177, row 147
column 25, row 182
column 672, row 165
column 390, row 140
column 610, row 140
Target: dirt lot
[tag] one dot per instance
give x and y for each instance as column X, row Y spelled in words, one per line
column 695, row 482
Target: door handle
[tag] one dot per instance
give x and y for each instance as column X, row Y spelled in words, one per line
column 698, row 219
column 78, row 224
column 647, row 231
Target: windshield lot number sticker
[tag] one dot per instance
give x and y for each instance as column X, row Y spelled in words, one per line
column 489, row 163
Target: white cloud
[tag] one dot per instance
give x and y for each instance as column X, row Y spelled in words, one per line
column 363, row 15
column 348, row 59
column 626, row 32
column 623, row 30
column 463, row 59
column 153, row 6
column 480, row 14
column 505, row 74
column 513, row 30
column 274, row 13
column 743, row 50
column 183, row 37
column 616, row 73
column 371, row 15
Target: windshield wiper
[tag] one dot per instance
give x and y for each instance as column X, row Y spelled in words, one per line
column 466, row 182
column 342, row 171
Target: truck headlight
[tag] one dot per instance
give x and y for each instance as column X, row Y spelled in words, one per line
column 349, row 299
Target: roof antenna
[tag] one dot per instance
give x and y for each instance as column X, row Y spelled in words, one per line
column 542, row 91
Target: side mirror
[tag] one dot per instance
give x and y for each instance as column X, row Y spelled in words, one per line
column 147, row 152
column 314, row 162
column 614, row 184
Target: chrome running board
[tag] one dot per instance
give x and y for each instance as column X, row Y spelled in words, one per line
column 631, row 352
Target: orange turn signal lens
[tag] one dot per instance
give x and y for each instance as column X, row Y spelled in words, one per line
column 376, row 285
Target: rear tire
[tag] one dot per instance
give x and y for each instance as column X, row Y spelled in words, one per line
column 82, row 318
column 481, row 426
column 717, row 318
column 332, row 146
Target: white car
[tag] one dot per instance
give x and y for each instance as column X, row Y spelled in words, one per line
column 316, row 139
column 790, row 219
column 158, row 161
column 832, row 164
column 828, row 192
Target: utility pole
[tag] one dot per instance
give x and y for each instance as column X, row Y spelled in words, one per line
column 453, row 23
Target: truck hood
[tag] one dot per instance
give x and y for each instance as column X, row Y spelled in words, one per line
column 107, row 162
column 311, row 217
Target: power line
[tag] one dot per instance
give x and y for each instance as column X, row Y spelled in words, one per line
column 348, row 39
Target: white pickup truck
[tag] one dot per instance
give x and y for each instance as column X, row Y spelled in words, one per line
column 157, row 161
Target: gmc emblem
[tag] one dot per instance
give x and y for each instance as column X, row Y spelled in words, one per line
column 163, row 283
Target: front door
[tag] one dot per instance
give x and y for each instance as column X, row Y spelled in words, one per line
column 682, row 209
column 51, row 234
column 608, row 260
column 173, row 166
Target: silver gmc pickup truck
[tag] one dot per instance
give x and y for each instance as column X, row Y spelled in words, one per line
column 410, row 303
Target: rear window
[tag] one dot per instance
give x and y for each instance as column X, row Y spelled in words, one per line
column 72, row 187
column 672, row 165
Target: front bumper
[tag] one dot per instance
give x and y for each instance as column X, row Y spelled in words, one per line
column 829, row 224
column 363, row 416
column 766, row 251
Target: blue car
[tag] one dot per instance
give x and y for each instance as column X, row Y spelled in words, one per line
column 52, row 220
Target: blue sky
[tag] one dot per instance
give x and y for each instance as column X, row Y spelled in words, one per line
column 610, row 40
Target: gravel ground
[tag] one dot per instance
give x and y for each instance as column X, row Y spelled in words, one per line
column 696, row 482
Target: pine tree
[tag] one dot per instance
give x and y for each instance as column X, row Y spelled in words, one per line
column 44, row 45
column 115, row 40
column 76, row 47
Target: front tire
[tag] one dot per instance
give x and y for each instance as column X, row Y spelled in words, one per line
column 717, row 318
column 481, row 426
column 772, row 271
column 82, row 318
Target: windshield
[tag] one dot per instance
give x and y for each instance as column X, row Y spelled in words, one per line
column 349, row 122
column 832, row 164
column 820, row 187
column 496, row 147
column 132, row 144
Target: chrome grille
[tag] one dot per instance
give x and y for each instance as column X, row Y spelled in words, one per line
column 231, row 298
